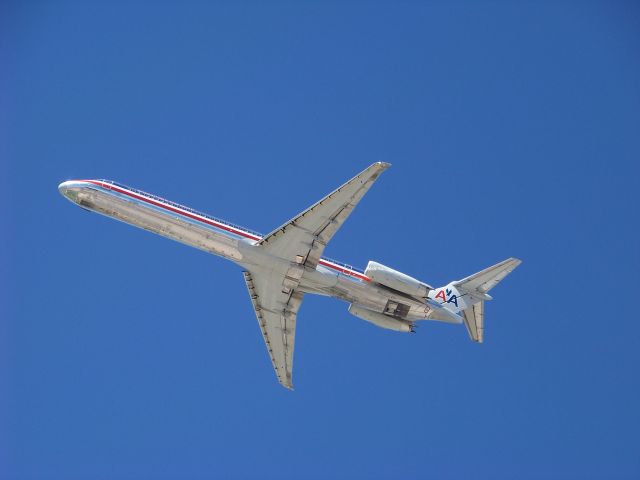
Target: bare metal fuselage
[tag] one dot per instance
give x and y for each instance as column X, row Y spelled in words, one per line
column 234, row 243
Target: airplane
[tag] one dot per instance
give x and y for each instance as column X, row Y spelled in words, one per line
column 283, row 266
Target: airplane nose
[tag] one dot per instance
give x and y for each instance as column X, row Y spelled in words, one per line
column 69, row 190
column 65, row 189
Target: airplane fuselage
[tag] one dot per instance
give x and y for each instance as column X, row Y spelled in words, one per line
column 234, row 243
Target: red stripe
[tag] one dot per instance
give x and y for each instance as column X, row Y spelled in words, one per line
column 175, row 210
column 345, row 271
column 212, row 223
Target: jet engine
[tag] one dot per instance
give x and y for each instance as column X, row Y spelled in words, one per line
column 397, row 280
column 380, row 319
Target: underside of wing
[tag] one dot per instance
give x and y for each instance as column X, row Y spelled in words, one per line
column 276, row 303
column 274, row 294
column 303, row 238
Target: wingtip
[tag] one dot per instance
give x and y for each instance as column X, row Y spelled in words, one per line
column 382, row 165
column 286, row 382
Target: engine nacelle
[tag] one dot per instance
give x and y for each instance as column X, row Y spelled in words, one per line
column 396, row 280
column 380, row 319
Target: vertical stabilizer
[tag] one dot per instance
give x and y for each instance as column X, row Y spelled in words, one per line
column 467, row 296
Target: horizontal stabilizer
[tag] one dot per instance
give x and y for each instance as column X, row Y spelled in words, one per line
column 474, row 321
column 488, row 278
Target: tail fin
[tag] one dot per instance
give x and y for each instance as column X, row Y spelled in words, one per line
column 469, row 294
column 477, row 286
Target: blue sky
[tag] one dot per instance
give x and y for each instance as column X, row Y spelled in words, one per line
column 513, row 130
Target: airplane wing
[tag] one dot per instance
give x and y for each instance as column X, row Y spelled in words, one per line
column 301, row 241
column 303, row 238
column 276, row 307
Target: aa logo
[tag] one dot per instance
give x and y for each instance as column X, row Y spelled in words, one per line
column 443, row 294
